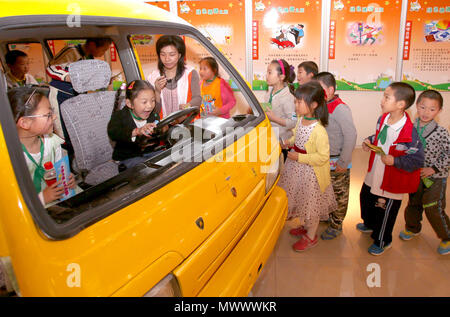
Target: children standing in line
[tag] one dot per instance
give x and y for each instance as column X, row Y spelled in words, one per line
column 393, row 171
column 306, row 177
column 306, row 71
column 431, row 193
column 19, row 66
column 34, row 122
column 342, row 137
column 280, row 98
column 131, row 126
column 217, row 94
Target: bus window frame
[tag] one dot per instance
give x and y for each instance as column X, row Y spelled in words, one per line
column 10, row 26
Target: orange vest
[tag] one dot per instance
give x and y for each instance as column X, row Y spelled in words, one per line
column 211, row 96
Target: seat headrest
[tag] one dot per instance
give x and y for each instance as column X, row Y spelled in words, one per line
column 89, row 75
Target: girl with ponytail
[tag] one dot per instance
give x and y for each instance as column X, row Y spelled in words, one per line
column 135, row 122
column 280, row 98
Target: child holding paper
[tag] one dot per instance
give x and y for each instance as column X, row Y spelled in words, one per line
column 390, row 176
column 34, row 122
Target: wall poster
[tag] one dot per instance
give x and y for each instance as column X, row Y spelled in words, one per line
column 287, row 29
column 223, row 23
column 363, row 43
column 426, row 50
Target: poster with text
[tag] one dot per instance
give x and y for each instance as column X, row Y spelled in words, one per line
column 363, row 43
column 284, row 29
column 223, row 23
column 426, row 49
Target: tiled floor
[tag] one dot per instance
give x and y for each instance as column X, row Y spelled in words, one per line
column 343, row 267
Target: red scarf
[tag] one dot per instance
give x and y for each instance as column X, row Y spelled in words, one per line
column 333, row 103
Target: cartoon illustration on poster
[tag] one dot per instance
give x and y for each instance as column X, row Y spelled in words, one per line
column 338, row 5
column 437, row 31
column 363, row 33
column 284, row 29
column 184, row 8
column 426, row 48
column 288, row 36
column 360, row 33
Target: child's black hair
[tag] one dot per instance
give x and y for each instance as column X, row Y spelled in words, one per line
column 309, row 67
column 431, row 94
column 12, row 56
column 132, row 90
column 177, row 41
column 327, row 79
column 21, row 103
column 212, row 63
column 313, row 92
column 289, row 72
column 403, row 92
column 99, row 42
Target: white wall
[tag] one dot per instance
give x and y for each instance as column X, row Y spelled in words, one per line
column 366, row 109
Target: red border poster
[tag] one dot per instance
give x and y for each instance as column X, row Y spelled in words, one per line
column 223, row 23
column 363, row 43
column 287, row 29
column 426, row 50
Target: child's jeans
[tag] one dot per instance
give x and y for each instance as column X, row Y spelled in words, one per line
column 129, row 163
column 379, row 214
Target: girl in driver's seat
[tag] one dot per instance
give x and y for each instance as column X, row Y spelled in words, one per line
column 131, row 126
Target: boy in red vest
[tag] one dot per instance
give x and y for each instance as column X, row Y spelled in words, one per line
column 394, row 166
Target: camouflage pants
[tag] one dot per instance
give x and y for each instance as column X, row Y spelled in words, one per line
column 341, row 187
column 432, row 201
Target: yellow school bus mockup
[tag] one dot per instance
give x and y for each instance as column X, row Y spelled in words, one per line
column 199, row 219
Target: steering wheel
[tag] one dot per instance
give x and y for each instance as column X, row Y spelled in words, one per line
column 190, row 113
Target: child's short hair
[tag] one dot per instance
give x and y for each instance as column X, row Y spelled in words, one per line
column 309, row 67
column 313, row 92
column 431, row 94
column 132, row 90
column 12, row 56
column 403, row 92
column 326, row 78
column 212, row 63
column 99, row 42
column 24, row 101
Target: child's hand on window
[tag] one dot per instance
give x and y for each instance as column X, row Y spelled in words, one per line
column 53, row 192
column 426, row 171
column 387, row 159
